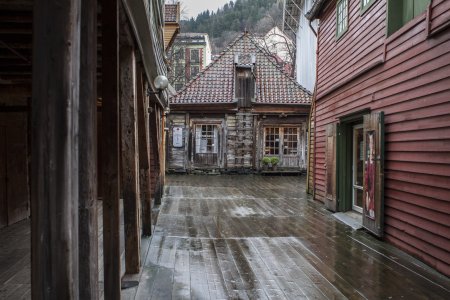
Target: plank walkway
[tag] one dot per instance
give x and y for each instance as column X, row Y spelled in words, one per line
column 249, row 237
column 261, row 237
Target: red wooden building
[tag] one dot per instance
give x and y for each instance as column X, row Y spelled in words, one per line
column 382, row 119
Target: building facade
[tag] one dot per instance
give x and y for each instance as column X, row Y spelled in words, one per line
column 382, row 111
column 190, row 53
column 241, row 108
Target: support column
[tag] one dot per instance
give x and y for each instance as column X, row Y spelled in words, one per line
column 144, row 156
column 130, row 159
column 54, row 180
column 88, row 223
column 110, row 148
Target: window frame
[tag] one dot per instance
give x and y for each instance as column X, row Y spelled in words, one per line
column 339, row 34
column 196, row 59
column 366, row 7
column 392, row 12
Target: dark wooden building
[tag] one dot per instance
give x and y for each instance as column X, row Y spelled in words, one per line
column 241, row 108
column 80, row 139
column 382, row 119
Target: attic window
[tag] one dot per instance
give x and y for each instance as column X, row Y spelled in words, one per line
column 245, row 86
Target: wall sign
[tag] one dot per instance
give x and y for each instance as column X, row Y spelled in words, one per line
column 177, row 137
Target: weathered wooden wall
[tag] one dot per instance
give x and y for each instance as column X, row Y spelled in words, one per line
column 406, row 75
column 240, row 141
column 177, row 156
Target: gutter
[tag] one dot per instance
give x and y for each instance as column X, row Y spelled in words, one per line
column 136, row 11
column 315, row 9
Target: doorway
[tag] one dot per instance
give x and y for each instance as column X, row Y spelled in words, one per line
column 357, row 168
column 206, row 145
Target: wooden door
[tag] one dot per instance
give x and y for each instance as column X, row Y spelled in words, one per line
column 17, row 168
column 290, row 156
column 330, row 167
column 3, row 193
column 14, row 192
column 373, row 190
column 206, row 145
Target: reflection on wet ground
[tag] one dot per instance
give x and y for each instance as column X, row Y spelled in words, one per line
column 252, row 237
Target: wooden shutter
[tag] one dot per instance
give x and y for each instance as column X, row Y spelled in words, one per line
column 330, row 167
column 373, row 193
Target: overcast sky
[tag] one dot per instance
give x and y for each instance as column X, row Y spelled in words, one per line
column 194, row 7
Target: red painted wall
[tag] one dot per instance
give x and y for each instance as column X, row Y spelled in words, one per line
column 406, row 75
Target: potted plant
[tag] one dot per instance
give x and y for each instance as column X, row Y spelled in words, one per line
column 266, row 162
column 274, row 162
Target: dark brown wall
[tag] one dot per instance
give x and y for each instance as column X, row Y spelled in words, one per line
column 406, row 75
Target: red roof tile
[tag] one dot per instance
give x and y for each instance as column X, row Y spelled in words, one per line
column 171, row 13
column 215, row 84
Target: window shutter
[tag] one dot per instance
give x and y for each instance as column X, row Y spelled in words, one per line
column 330, row 167
column 373, row 193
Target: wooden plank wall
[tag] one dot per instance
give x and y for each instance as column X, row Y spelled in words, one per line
column 177, row 156
column 412, row 87
column 240, row 140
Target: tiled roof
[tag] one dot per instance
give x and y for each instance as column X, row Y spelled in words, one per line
column 171, row 13
column 215, row 84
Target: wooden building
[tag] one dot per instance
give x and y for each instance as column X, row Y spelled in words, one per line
column 171, row 23
column 81, row 136
column 241, row 108
column 382, row 117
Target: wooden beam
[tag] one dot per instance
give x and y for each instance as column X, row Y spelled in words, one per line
column 155, row 168
column 130, row 158
column 110, row 148
column 54, row 186
column 88, row 223
column 144, row 156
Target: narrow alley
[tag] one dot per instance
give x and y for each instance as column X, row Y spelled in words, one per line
column 259, row 237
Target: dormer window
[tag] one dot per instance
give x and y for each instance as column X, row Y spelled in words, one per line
column 245, row 79
column 245, row 86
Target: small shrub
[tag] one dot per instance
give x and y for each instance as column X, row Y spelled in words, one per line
column 274, row 160
column 266, row 160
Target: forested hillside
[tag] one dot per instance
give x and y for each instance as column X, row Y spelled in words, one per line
column 223, row 25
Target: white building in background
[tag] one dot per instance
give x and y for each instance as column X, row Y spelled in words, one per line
column 297, row 26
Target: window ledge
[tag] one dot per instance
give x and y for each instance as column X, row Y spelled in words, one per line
column 408, row 26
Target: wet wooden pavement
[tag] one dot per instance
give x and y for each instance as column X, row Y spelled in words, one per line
column 252, row 237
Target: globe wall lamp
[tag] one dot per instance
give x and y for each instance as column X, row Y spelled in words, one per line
column 161, row 83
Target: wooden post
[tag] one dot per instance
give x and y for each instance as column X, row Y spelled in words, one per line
column 144, row 156
column 88, row 225
column 54, row 186
column 110, row 148
column 130, row 159
column 155, row 155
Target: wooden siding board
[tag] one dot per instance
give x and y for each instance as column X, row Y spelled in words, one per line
column 395, row 192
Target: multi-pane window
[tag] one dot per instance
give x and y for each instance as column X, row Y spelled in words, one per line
column 272, row 141
column 341, row 17
column 290, row 141
column 206, row 139
column 195, row 55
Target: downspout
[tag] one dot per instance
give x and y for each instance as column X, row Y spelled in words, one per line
column 312, row 28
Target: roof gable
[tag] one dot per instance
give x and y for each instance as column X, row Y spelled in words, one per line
column 215, row 84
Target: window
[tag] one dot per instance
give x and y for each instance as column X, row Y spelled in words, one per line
column 365, row 4
column 178, row 54
column 194, row 70
column 178, row 86
column 401, row 12
column 195, row 55
column 290, row 141
column 341, row 17
column 272, row 141
column 245, row 86
column 206, row 139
